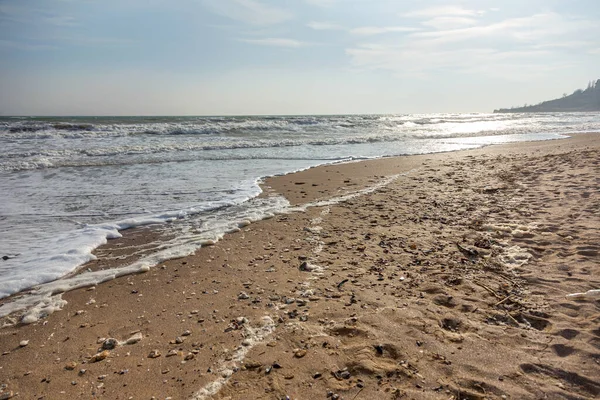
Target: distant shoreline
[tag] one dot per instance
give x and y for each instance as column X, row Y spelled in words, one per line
column 580, row 100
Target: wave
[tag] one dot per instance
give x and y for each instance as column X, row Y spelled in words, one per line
column 176, row 126
column 159, row 152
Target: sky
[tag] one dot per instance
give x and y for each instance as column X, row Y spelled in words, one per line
column 239, row 57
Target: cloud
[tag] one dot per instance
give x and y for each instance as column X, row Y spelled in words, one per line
column 277, row 42
column 60, row 20
column 525, row 29
column 377, row 30
column 511, row 48
column 324, row 26
column 16, row 13
column 249, row 11
column 322, row 3
column 449, row 22
column 24, row 46
column 413, row 62
column 442, row 11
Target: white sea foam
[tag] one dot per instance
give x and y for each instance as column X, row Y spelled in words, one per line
column 225, row 369
column 590, row 294
column 44, row 298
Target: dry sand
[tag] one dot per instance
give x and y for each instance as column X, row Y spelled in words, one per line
column 447, row 283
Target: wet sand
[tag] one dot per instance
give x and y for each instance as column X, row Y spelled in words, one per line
column 448, row 282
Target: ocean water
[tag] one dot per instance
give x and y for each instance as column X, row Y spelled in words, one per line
column 69, row 184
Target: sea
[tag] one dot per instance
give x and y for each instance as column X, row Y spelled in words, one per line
column 68, row 184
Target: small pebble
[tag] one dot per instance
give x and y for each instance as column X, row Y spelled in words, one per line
column 110, row 344
column 100, row 356
column 300, row 353
column 7, row 395
column 23, row 343
column 171, row 353
column 70, row 366
column 154, row 354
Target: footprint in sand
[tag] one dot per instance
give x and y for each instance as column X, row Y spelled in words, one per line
column 568, row 334
column 571, row 379
column 562, row 350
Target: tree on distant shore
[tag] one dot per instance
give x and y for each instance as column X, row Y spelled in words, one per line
column 587, row 99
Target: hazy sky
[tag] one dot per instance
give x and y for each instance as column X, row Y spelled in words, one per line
column 199, row 57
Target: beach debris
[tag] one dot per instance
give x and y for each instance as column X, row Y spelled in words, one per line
column 590, row 294
column 466, row 251
column 23, row 343
column 135, row 338
column 7, row 395
column 339, row 285
column 70, row 366
column 308, row 267
column 300, row 353
column 171, row 353
column 251, row 364
column 243, row 296
column 110, row 344
column 99, row 356
column 154, row 354
column 236, row 324
column 177, row 340
column 341, row 374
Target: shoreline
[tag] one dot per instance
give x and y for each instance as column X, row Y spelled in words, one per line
column 143, row 231
column 347, row 248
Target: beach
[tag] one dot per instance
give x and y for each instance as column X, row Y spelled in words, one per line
column 435, row 276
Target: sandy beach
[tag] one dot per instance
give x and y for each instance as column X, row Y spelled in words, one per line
column 441, row 276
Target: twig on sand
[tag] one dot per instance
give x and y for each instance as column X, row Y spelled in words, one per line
column 488, row 289
column 356, row 395
column 512, row 318
column 339, row 285
column 467, row 251
column 503, row 300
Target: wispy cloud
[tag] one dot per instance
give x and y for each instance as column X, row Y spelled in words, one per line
column 60, row 20
column 513, row 47
column 24, row 46
column 249, row 11
column 17, row 13
column 377, row 30
column 533, row 28
column 442, row 11
column 413, row 62
column 324, row 26
column 322, row 3
column 442, row 23
column 277, row 42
